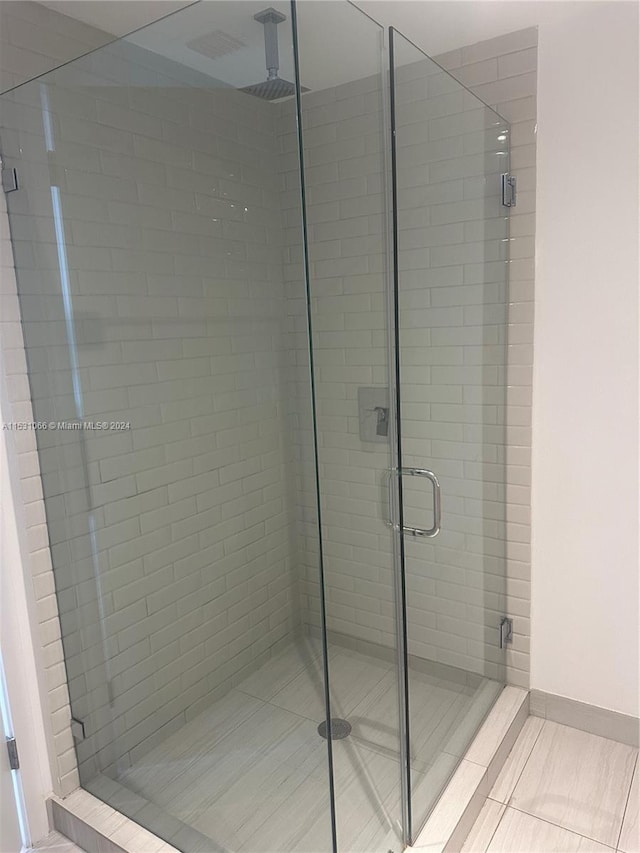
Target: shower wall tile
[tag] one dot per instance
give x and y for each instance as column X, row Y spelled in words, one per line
column 499, row 47
column 34, row 39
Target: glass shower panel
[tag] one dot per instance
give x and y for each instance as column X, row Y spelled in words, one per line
column 156, row 234
column 452, row 237
column 344, row 137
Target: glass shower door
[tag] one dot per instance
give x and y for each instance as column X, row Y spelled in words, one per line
column 150, row 245
column 343, row 149
column 451, row 238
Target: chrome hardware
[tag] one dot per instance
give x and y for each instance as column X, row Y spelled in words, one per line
column 374, row 414
column 428, row 532
column 78, row 730
column 508, row 190
column 506, row 631
column 389, row 519
column 270, row 18
column 12, row 749
column 382, row 422
column 10, row 179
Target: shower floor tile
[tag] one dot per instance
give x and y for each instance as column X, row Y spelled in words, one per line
column 273, row 676
column 353, row 677
column 251, row 773
column 264, row 785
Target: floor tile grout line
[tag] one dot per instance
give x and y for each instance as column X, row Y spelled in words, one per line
column 253, row 695
column 356, row 738
column 362, row 744
column 454, row 727
column 234, row 727
column 506, row 805
column 305, row 668
column 297, row 713
column 346, row 713
column 191, row 821
column 248, row 841
column 504, row 811
column 524, row 766
column 354, row 770
column 559, row 826
column 636, row 769
column 288, row 711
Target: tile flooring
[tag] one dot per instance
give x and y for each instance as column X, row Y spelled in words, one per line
column 561, row 790
column 250, row 773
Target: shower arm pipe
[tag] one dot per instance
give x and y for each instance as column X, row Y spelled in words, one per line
column 270, row 18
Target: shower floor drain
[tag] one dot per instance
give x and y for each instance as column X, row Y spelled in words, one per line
column 339, row 729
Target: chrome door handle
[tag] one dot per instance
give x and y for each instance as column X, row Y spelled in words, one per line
column 428, row 532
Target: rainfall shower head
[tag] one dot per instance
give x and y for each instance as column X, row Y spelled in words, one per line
column 274, row 87
column 271, row 90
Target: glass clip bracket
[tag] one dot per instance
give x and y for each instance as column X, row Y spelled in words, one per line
column 10, row 179
column 506, row 631
column 12, row 750
column 78, row 730
column 509, row 186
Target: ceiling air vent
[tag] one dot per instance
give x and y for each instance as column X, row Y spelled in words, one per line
column 215, row 44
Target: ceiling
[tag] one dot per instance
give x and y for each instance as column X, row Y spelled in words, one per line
column 118, row 17
column 327, row 29
column 232, row 46
column 437, row 25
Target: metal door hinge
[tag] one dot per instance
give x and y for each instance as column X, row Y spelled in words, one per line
column 77, row 729
column 10, row 179
column 508, row 190
column 506, row 631
column 12, row 749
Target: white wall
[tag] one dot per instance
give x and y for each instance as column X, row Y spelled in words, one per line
column 585, row 448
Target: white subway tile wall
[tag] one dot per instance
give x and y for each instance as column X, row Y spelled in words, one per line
column 161, row 516
column 35, row 39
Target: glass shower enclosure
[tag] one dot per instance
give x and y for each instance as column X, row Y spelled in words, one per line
column 264, row 300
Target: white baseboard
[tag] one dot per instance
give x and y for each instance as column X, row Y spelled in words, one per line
column 588, row 718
